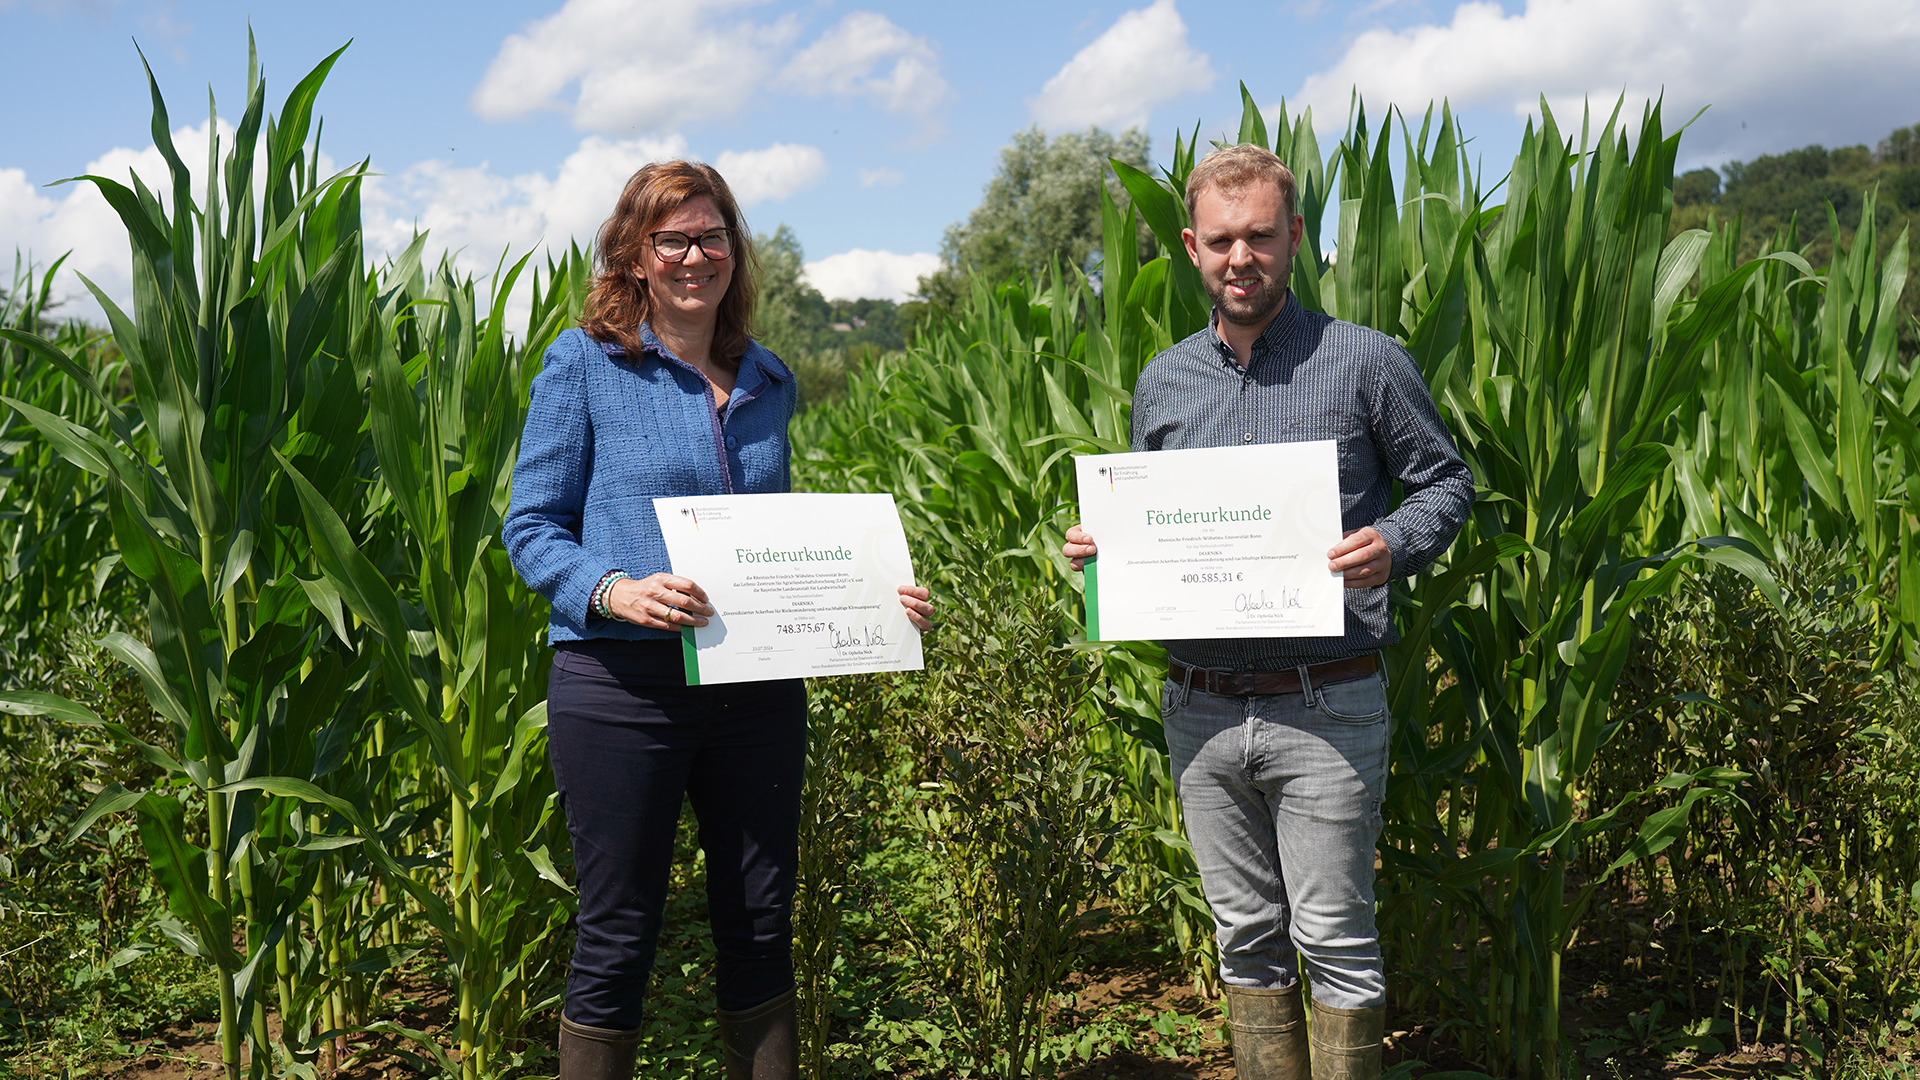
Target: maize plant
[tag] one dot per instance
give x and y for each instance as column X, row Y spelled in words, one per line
column 358, row 755
column 233, row 298
column 56, row 540
column 1564, row 337
column 307, row 478
column 464, row 664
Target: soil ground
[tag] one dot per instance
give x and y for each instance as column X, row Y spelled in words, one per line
column 1122, row 973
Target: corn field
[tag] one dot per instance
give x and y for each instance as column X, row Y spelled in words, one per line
column 1693, row 472
column 1636, row 410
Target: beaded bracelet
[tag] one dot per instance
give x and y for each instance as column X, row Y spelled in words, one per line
column 603, row 592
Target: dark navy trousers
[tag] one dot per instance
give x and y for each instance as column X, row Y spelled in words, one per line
column 629, row 739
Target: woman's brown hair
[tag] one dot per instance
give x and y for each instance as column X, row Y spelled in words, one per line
column 619, row 303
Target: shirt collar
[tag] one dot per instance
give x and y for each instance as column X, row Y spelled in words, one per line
column 757, row 359
column 1269, row 338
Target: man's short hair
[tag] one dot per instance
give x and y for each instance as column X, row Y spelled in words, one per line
column 1238, row 167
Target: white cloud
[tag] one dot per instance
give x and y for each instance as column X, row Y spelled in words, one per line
column 49, row 222
column 774, row 173
column 1777, row 74
column 473, row 212
column 878, row 275
column 641, row 67
column 881, row 177
column 478, row 214
column 844, row 60
column 1142, row 62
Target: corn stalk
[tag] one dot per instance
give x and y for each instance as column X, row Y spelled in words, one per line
column 234, row 297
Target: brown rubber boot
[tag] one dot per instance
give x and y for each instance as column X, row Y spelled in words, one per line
column 1269, row 1033
column 1346, row 1042
column 761, row 1043
column 591, row 1053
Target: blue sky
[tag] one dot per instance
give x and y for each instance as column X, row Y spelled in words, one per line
column 868, row 127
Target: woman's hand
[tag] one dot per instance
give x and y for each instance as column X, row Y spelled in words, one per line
column 663, row 601
column 919, row 605
column 1078, row 548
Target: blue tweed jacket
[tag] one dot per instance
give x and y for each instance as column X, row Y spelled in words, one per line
column 606, row 433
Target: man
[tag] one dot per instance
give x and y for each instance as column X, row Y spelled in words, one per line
column 1279, row 745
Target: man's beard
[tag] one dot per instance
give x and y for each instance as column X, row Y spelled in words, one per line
column 1255, row 309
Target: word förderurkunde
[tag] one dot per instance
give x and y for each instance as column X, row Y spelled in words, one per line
column 769, row 555
column 1201, row 517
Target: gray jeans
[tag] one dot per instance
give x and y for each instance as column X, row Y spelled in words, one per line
column 1281, row 797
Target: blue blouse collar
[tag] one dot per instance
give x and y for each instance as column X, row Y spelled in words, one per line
column 758, row 356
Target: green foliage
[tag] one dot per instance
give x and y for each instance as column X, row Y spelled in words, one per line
column 1672, row 644
column 1696, row 187
column 1022, row 826
column 821, row 340
column 958, row 835
column 332, row 721
column 1781, row 201
column 1644, row 1033
column 1040, row 210
column 56, row 541
column 1901, row 147
column 786, row 306
column 1801, row 887
column 1593, row 369
column 74, row 916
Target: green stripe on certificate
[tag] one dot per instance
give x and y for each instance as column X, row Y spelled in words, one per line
column 692, row 653
column 1092, row 583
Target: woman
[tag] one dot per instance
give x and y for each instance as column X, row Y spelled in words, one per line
column 661, row 392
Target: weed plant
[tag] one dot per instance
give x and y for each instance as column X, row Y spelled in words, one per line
column 1798, row 902
column 1021, row 822
column 960, row 824
column 79, row 975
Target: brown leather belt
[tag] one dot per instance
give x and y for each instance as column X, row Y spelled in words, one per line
column 1243, row 683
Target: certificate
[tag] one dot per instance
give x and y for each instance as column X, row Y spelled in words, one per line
column 803, row 585
column 1213, row 543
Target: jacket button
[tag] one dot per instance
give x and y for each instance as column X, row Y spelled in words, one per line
column 733, row 443
column 1249, row 437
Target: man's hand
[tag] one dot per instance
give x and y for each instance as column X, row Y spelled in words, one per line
column 1079, row 547
column 919, row 604
column 1361, row 555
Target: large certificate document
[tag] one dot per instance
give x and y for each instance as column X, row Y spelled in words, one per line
column 1213, row 543
column 802, row 584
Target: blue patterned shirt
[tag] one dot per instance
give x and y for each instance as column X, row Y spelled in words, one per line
column 1314, row 377
column 606, row 433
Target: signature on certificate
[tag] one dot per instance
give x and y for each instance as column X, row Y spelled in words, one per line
column 1286, row 600
column 858, row 637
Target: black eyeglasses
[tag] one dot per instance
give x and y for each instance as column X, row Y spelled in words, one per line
column 715, row 244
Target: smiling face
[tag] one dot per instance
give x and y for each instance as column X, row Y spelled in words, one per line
column 1243, row 241
column 686, row 293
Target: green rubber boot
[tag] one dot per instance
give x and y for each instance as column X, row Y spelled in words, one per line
column 1346, row 1042
column 762, row 1042
column 591, row 1053
column 1269, row 1033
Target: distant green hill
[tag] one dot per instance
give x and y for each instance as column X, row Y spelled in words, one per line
column 1775, row 191
column 822, row 339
